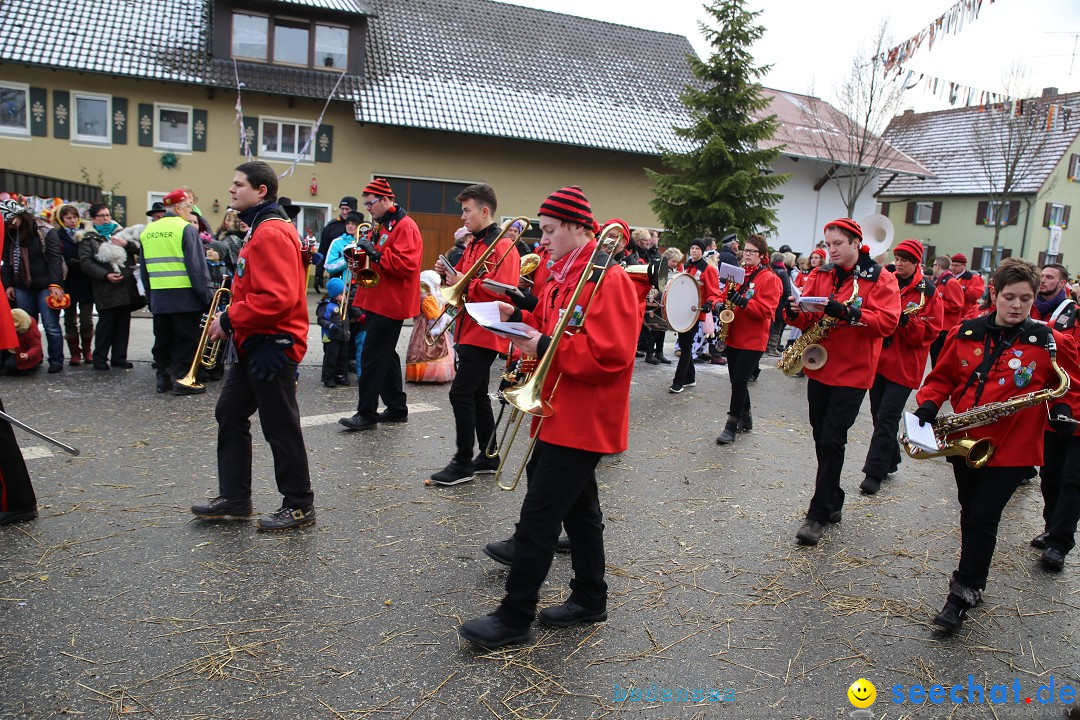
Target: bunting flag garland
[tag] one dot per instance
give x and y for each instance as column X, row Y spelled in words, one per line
column 244, row 142
column 314, row 131
column 951, row 22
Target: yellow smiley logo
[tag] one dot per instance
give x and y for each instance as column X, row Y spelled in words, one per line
column 862, row 693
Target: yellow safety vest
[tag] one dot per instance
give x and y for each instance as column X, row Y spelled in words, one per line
column 163, row 253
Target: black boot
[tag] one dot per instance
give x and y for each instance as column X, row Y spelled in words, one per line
column 728, row 436
column 746, row 423
column 952, row 615
column 651, row 359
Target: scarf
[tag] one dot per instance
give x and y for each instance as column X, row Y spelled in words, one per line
column 561, row 267
column 108, row 229
column 249, row 216
column 1046, row 305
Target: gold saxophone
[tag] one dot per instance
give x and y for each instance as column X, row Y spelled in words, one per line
column 977, row 453
column 727, row 315
column 806, row 351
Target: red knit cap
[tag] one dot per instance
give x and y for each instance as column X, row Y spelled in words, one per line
column 621, row 223
column 847, row 224
column 821, row 252
column 571, row 205
column 960, row 258
column 378, row 186
column 174, row 198
column 911, row 247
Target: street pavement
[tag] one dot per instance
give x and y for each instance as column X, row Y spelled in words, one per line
column 117, row 603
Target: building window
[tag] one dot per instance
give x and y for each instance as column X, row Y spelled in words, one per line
column 331, row 46
column 14, row 120
column 249, row 36
column 1057, row 214
column 291, row 41
column 1074, row 168
column 993, row 209
column 924, row 213
column 436, row 197
column 173, row 127
column 91, row 120
column 986, row 254
column 285, row 139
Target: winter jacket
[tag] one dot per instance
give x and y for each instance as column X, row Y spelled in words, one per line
column 45, row 261
column 76, row 284
column 108, row 295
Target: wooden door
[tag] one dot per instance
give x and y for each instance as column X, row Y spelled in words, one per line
column 438, row 234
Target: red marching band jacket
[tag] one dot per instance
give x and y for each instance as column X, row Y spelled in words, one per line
column 952, row 300
column 853, row 349
column 1022, row 368
column 593, row 363
column 504, row 266
column 708, row 281
column 397, row 296
column 750, row 328
column 1067, row 327
column 904, row 353
column 269, row 288
column 974, row 286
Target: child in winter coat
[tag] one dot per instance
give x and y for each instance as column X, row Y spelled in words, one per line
column 423, row 362
column 25, row 359
column 334, row 335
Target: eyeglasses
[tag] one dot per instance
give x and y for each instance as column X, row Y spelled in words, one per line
column 369, row 203
column 752, row 251
column 103, row 215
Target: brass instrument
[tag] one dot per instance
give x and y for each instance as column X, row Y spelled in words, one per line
column 977, row 453
column 455, row 294
column 806, row 350
column 366, row 277
column 526, row 397
column 207, row 352
column 727, row 315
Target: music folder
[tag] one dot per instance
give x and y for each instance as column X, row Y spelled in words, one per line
column 486, row 315
column 921, row 436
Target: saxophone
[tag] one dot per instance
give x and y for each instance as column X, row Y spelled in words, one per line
column 727, row 315
column 977, row 453
column 806, row 350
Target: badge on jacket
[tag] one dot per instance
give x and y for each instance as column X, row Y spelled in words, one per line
column 1022, row 375
column 241, row 266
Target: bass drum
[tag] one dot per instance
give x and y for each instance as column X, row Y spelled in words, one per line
column 681, row 302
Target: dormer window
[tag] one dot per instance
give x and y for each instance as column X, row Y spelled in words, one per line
column 289, row 41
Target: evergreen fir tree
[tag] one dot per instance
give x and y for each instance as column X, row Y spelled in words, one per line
column 722, row 183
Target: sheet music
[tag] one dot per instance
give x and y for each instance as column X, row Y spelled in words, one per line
column 486, row 315
column 731, row 273
column 921, row 436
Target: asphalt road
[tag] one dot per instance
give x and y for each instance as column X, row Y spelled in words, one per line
column 116, row 603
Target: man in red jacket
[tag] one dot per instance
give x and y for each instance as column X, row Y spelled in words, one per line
column 754, row 304
column 17, row 500
column 395, row 254
column 989, row 359
column 972, row 282
column 477, row 348
column 588, row 395
column 709, row 289
column 835, row 390
column 902, row 363
column 952, row 302
column 268, row 322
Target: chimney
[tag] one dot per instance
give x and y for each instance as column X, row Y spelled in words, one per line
column 1049, row 92
column 909, row 111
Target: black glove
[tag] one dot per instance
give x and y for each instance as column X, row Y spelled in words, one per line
column 335, row 332
column 739, row 300
column 355, row 313
column 365, row 245
column 904, row 318
column 266, row 355
column 836, row 309
column 1061, row 419
column 926, row 412
column 707, row 306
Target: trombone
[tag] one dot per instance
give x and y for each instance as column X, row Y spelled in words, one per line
column 365, row 277
column 527, row 397
column 207, row 352
column 455, row 294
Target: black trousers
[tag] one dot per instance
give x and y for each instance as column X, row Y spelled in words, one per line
column 113, row 331
column 16, row 492
column 335, row 359
column 473, row 417
column 685, row 371
column 241, row 395
column 175, row 338
column 887, row 400
column 380, row 369
column 832, row 413
column 561, row 491
column 935, row 347
column 1061, row 489
column 741, row 366
column 983, row 495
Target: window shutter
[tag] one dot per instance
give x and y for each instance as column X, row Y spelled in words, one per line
column 1065, row 217
column 1072, row 167
column 935, row 214
column 910, row 217
column 199, row 120
column 1014, row 213
column 1006, row 253
column 146, row 125
column 38, row 106
column 885, row 209
column 1042, row 259
column 61, row 114
column 980, row 212
column 976, row 259
column 929, row 254
column 324, row 144
column 251, row 131
column 119, row 120
column 1046, row 217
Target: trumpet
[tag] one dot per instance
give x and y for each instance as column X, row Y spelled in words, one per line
column 455, row 294
column 207, row 352
column 527, row 397
column 806, row 351
column 365, row 277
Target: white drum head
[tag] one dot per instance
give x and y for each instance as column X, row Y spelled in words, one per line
column 681, row 302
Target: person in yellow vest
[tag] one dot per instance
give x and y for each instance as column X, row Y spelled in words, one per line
column 178, row 290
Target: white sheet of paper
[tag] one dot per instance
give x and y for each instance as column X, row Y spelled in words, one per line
column 813, row 304
column 486, row 315
column 921, row 436
column 731, row 273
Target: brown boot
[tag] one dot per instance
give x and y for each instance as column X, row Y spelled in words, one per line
column 73, row 348
column 87, row 342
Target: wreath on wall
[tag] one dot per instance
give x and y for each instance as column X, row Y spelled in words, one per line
column 170, row 161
